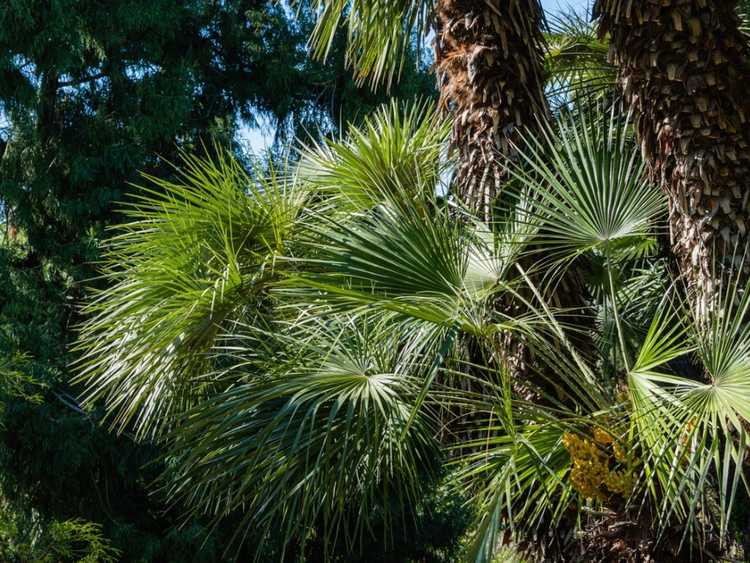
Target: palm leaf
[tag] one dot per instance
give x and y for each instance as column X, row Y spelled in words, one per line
column 590, row 190
column 379, row 33
column 694, row 428
column 576, row 61
column 193, row 256
column 314, row 434
column 396, row 154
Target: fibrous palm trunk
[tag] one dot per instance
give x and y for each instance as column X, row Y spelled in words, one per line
column 489, row 60
column 683, row 67
column 490, row 66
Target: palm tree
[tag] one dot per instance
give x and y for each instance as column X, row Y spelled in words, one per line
column 312, row 348
column 683, row 66
column 489, row 63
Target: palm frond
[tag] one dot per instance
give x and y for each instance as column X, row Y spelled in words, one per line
column 194, row 256
column 312, row 348
column 576, row 61
column 693, row 429
column 743, row 11
column 590, row 189
column 393, row 241
column 525, row 474
column 379, row 33
column 318, row 432
column 397, row 152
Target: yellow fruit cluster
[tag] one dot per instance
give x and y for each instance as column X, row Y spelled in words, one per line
column 605, row 438
column 591, row 474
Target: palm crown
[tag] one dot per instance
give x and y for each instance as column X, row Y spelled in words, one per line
column 316, row 346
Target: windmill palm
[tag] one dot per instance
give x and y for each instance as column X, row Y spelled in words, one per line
column 489, row 64
column 301, row 344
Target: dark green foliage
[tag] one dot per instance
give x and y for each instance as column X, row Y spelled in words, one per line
column 432, row 535
column 91, row 94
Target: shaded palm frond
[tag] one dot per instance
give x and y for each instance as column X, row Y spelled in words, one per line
column 576, row 61
column 743, row 11
column 320, row 431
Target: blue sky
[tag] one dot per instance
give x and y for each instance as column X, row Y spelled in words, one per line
column 555, row 5
column 258, row 141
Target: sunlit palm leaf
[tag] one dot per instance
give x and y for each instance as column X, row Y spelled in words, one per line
column 694, row 429
column 192, row 257
column 379, row 33
column 589, row 188
column 396, row 154
column 517, row 465
column 302, row 345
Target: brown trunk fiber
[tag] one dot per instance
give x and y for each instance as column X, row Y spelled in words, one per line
column 684, row 71
column 490, row 70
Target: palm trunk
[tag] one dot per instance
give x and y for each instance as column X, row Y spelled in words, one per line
column 684, row 71
column 490, row 70
column 490, row 65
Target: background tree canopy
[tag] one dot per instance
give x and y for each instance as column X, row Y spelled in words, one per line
column 92, row 94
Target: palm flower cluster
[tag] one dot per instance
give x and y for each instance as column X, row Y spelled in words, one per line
column 592, row 473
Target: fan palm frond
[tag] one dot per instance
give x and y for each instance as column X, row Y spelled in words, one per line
column 379, row 33
column 743, row 11
column 693, row 427
column 397, row 151
column 591, row 193
column 312, row 348
column 194, row 255
column 318, row 431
